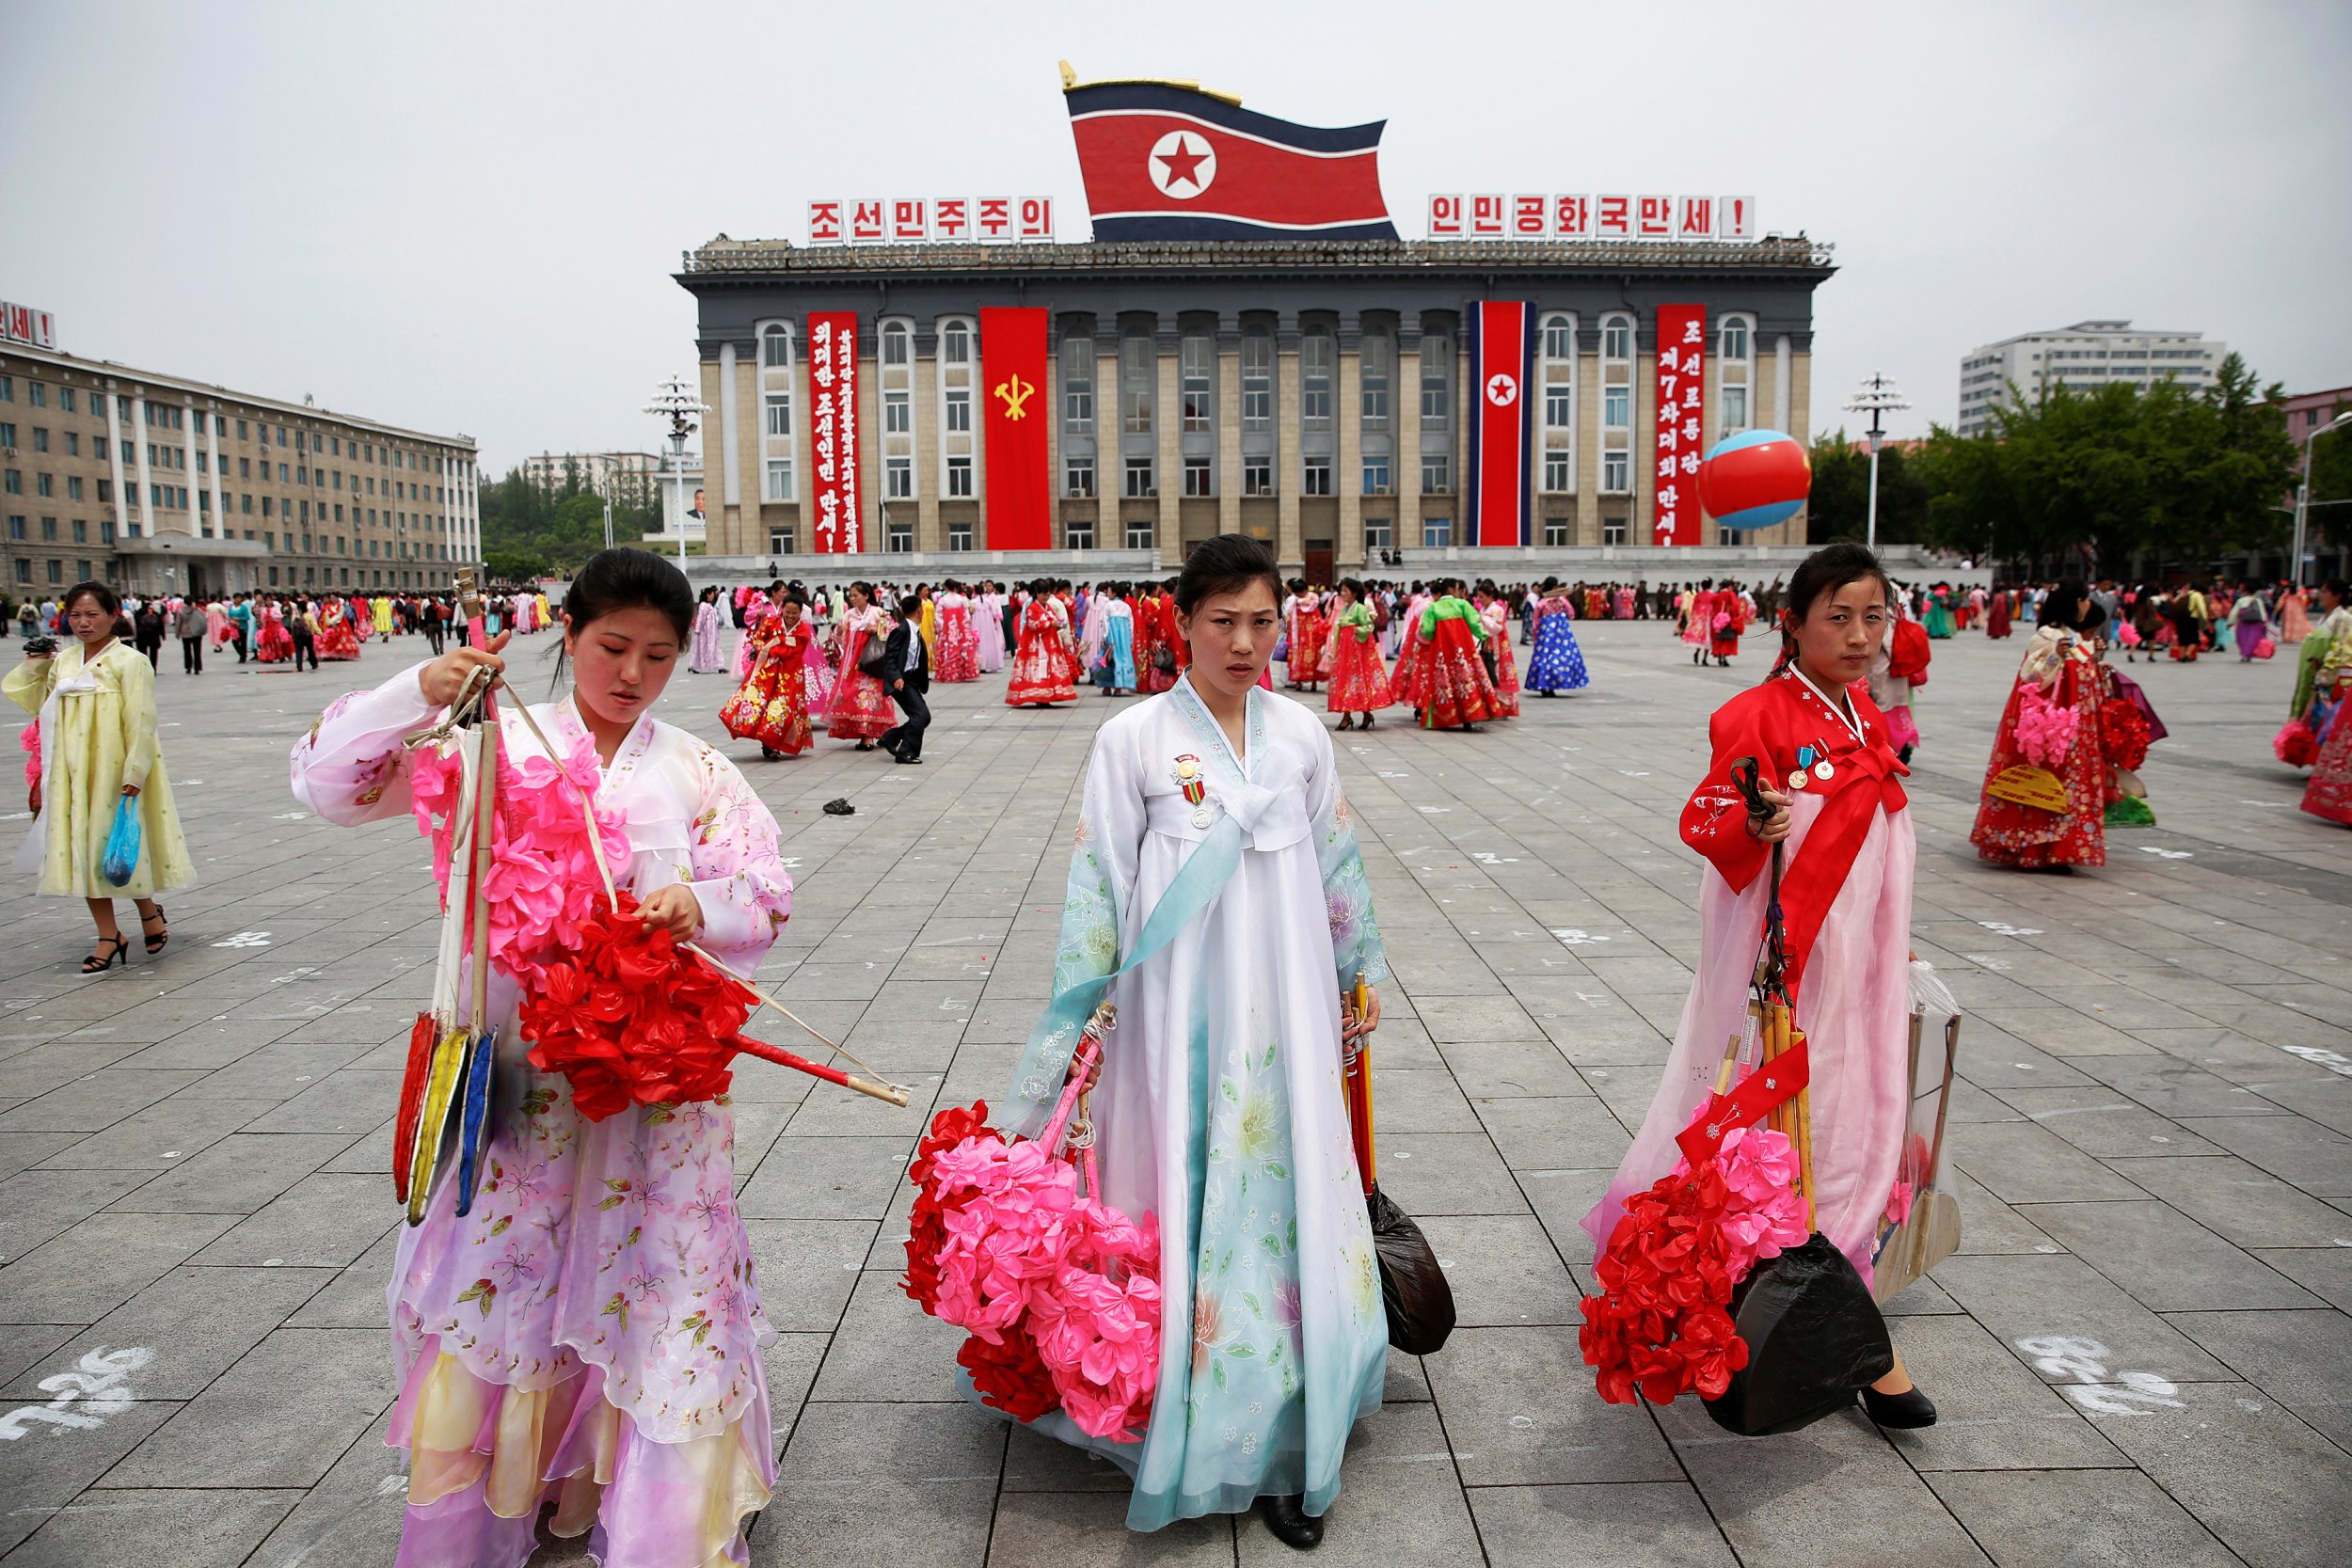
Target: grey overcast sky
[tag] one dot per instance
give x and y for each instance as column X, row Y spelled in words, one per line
column 464, row 217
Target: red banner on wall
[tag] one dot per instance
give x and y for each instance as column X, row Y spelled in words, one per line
column 1501, row 349
column 832, row 432
column 1682, row 422
column 1012, row 381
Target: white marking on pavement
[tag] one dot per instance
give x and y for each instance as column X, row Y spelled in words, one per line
column 97, row 1381
column 246, row 939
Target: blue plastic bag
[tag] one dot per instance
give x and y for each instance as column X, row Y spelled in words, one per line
column 122, row 844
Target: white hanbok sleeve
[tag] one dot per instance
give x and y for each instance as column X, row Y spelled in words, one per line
column 1355, row 945
column 739, row 879
column 353, row 767
column 1102, row 864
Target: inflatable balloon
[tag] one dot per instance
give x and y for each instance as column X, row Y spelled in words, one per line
column 1754, row 478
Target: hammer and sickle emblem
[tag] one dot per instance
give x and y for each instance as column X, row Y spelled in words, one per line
column 1016, row 393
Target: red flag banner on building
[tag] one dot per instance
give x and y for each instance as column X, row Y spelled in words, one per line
column 1502, row 350
column 1013, row 378
column 1166, row 161
column 1682, row 422
column 832, row 432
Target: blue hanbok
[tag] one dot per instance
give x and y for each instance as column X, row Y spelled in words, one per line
column 1559, row 664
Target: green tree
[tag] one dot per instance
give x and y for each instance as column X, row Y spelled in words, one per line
column 1839, row 505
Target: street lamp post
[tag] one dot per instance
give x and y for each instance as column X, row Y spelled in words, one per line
column 2303, row 490
column 678, row 405
column 1878, row 395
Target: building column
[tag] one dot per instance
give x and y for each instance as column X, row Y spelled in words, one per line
column 212, row 458
column 1110, row 428
column 1797, row 529
column 1290, row 545
column 187, row 466
column 730, row 457
column 140, row 428
column 1590, row 438
column 1168, row 401
column 930, row 442
column 1407, row 404
column 1780, row 389
column 114, row 464
column 1348, row 414
column 1228, row 428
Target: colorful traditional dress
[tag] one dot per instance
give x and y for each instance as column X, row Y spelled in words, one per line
column 2059, row 670
column 589, row 1333
column 2325, row 645
column 1697, row 629
column 276, row 643
column 1996, row 615
column 709, row 652
column 218, row 628
column 339, row 632
column 1939, row 615
column 1155, row 634
column 1456, row 691
column 1116, row 671
column 959, row 645
column 1044, row 668
column 1496, row 618
column 1218, row 1110
column 987, row 617
column 772, row 708
column 97, row 727
column 1558, row 664
column 1726, row 625
column 1360, row 681
column 754, row 612
column 860, row 709
column 2295, row 622
column 1409, row 683
column 1846, row 892
column 1302, row 664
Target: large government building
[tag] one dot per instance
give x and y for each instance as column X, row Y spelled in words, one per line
column 1316, row 394
column 160, row 484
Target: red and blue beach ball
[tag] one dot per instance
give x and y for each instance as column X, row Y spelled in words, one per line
column 1754, row 478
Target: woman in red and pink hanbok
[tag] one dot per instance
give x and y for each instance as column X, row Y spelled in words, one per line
column 1045, row 665
column 861, row 710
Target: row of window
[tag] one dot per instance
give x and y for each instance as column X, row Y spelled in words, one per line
column 1141, row 533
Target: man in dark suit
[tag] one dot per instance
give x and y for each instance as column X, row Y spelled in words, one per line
column 907, row 675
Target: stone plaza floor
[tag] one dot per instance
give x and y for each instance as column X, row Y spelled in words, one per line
column 2140, row 1351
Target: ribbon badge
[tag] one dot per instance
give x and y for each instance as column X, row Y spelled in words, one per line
column 1195, row 790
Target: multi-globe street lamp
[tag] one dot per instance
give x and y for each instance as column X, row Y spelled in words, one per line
column 677, row 404
column 1878, row 396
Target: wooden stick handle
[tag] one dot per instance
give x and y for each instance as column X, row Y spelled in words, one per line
column 782, row 1058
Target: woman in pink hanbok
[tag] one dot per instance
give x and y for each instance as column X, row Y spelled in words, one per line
column 586, row 1338
column 1833, row 787
column 958, row 658
column 709, row 655
column 860, row 709
column 987, row 627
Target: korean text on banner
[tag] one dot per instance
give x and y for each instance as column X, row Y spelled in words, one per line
column 832, row 430
column 1013, row 377
column 1500, row 351
column 1682, row 422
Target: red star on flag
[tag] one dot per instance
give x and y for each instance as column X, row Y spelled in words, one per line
column 1181, row 163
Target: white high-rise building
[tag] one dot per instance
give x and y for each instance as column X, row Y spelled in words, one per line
column 2088, row 353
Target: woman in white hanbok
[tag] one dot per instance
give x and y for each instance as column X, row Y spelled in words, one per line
column 1217, row 804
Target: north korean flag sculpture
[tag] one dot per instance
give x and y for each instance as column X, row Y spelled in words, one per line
column 1166, row 161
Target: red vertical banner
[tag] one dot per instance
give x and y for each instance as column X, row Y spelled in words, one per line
column 1682, row 422
column 1012, row 381
column 1500, row 349
column 832, row 430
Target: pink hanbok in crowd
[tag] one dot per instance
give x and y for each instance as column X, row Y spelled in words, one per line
column 989, row 622
column 589, row 1333
column 1846, row 892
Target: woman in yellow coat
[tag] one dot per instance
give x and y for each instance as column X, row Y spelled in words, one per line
column 95, row 699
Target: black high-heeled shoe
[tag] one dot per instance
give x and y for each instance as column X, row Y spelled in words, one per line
column 156, row 941
column 1291, row 1524
column 101, row 960
column 1910, row 1408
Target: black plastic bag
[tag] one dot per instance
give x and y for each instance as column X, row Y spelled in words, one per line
column 1814, row 1335
column 1413, row 1289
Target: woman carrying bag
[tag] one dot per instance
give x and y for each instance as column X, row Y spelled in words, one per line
column 1834, row 799
column 103, row 825
column 1218, row 898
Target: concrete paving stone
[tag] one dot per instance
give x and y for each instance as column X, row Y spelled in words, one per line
column 58, row 1062
column 2172, row 1087
column 94, row 1101
column 2077, row 1519
column 166, row 1134
column 1043, row 1529
column 2325, row 1272
column 888, row 1349
column 1597, row 1525
column 1566, row 1133
column 1520, row 1409
column 45, row 1470
column 354, row 1298
column 2239, row 1203
column 1502, row 1270
column 209, row 1043
column 826, row 1178
column 790, row 1363
column 1988, row 1226
column 1036, row 1464
column 196, row 1322
column 2164, row 1260
column 2301, row 1359
column 1399, row 1500
column 1448, row 1172
column 91, row 1268
column 353, row 1515
column 349, row 1100
column 2104, row 1124
column 891, row 1485
column 1423, row 1101
column 1480, row 1018
column 2295, row 1149
column 832, row 1112
column 238, row 1175
column 24, row 1346
column 2256, row 1476
column 323, row 1221
column 1498, row 1070
column 213, row 1527
column 242, row 1431
column 2031, row 1302
column 1833, row 1494
column 36, row 1205
column 1991, row 1412
column 370, row 1155
column 2021, row 1163
column 808, row 1268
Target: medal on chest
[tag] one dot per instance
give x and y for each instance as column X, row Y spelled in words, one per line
column 1195, row 790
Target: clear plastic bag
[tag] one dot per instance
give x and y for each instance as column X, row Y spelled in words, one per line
column 1921, row 1227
